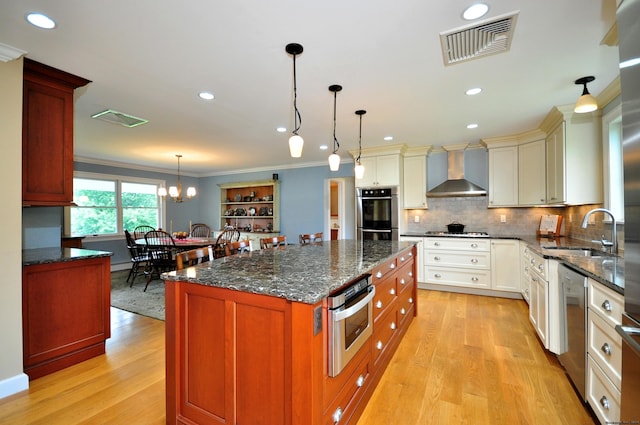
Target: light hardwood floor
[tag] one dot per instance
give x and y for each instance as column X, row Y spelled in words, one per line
column 465, row 360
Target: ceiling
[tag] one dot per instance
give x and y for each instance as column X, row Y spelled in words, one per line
column 151, row 58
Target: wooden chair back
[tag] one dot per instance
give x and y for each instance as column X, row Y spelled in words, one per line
column 226, row 236
column 274, row 242
column 307, row 238
column 237, row 247
column 193, row 257
column 200, row 230
column 140, row 231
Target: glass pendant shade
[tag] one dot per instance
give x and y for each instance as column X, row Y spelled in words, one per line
column 162, row 191
column 334, row 162
column 173, row 192
column 586, row 103
column 295, row 146
column 359, row 171
column 191, row 192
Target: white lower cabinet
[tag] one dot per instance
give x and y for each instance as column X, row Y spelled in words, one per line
column 505, row 265
column 604, row 352
column 525, row 272
column 458, row 262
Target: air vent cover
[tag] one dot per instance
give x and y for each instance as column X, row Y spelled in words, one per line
column 480, row 39
column 121, row 118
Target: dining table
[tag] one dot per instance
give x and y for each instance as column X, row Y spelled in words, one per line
column 185, row 244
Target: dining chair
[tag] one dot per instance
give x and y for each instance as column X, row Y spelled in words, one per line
column 193, row 257
column 200, row 230
column 274, row 242
column 162, row 250
column 307, row 238
column 237, row 247
column 140, row 231
column 139, row 258
column 225, row 236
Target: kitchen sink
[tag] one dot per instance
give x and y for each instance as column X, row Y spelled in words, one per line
column 580, row 252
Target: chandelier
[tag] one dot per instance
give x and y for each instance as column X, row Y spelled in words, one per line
column 175, row 192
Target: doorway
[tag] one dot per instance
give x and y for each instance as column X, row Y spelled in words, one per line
column 334, row 210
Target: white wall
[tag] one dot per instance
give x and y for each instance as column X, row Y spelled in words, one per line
column 12, row 379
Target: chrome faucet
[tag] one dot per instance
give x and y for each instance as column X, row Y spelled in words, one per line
column 613, row 244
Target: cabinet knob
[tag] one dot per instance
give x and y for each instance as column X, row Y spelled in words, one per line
column 402, row 259
column 337, row 415
column 606, row 305
column 393, row 326
column 403, row 311
column 438, row 275
column 436, row 258
column 474, row 279
column 379, row 304
column 379, row 345
column 606, row 349
column 540, row 267
column 393, row 266
column 410, row 274
column 436, row 243
column 402, row 282
column 604, row 402
column 474, row 260
column 360, row 381
column 392, row 291
column 379, row 274
column 410, row 300
column 474, row 245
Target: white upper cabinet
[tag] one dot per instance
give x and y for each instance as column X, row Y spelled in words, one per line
column 532, row 181
column 503, row 176
column 415, row 180
column 574, row 156
column 382, row 170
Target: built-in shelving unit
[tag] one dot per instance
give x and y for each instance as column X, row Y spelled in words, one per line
column 252, row 206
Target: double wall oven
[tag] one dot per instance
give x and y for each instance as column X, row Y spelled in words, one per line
column 350, row 322
column 377, row 216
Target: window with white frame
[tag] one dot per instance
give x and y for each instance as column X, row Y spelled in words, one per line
column 109, row 204
column 612, row 167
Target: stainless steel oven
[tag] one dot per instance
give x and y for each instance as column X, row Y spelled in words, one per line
column 377, row 216
column 350, row 322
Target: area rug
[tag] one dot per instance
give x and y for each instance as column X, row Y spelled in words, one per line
column 149, row 303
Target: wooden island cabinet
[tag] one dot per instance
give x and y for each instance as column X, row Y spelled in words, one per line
column 241, row 351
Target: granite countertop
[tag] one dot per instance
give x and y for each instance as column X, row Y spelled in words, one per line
column 32, row 257
column 302, row 273
column 606, row 269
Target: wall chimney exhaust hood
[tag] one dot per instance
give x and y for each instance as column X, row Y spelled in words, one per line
column 456, row 184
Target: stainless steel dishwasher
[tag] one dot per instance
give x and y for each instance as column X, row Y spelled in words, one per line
column 573, row 326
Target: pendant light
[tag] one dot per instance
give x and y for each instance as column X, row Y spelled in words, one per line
column 175, row 192
column 586, row 102
column 359, row 168
column 295, row 141
column 334, row 158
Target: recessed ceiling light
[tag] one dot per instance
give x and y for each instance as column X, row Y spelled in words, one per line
column 41, row 21
column 205, row 95
column 473, row 91
column 324, row 147
column 470, row 126
column 387, row 138
column 475, row 11
column 281, row 129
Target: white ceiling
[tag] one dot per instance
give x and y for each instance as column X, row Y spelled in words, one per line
column 150, row 59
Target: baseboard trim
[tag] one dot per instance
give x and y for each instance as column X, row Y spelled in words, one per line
column 14, row 385
column 471, row 291
column 121, row 266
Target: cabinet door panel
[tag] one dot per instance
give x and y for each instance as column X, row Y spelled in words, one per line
column 532, row 181
column 503, row 176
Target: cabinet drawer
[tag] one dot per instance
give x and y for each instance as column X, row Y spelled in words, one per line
column 386, row 293
column 474, row 260
column 383, row 270
column 602, row 395
column 383, row 332
column 405, row 303
column 458, row 244
column 605, row 346
column 404, row 257
column 405, row 278
column 607, row 303
column 342, row 408
column 459, row 277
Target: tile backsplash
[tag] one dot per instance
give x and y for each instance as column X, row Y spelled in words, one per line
column 474, row 213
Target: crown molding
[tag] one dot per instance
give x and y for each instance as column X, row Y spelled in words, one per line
column 9, row 53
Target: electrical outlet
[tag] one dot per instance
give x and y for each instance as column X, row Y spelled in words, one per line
column 503, row 218
column 416, row 219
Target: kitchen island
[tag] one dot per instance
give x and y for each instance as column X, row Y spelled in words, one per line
column 66, row 295
column 247, row 335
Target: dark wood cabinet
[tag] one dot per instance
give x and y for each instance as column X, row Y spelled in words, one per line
column 47, row 134
column 236, row 357
column 65, row 313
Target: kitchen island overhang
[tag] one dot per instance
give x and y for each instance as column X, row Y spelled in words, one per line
column 242, row 337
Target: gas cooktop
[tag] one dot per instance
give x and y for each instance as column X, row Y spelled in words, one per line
column 458, row 234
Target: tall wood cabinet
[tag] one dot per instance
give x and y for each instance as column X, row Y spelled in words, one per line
column 47, row 134
column 252, row 206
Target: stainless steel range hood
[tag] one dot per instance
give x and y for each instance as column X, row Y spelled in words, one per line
column 456, row 184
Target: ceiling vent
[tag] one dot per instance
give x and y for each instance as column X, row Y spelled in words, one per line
column 121, row 118
column 480, row 39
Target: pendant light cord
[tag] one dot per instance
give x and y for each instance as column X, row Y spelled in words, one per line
column 359, row 141
column 336, row 144
column 297, row 118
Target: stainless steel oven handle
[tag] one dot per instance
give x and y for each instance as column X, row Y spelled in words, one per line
column 341, row 315
column 375, row 231
column 626, row 332
column 375, row 197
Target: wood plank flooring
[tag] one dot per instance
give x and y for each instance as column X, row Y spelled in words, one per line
column 465, row 360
